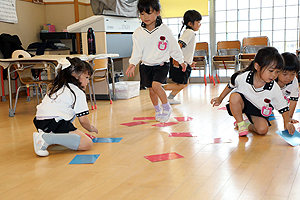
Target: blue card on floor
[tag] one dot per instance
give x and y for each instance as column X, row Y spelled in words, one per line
column 84, row 159
column 293, row 140
column 297, row 111
column 107, row 140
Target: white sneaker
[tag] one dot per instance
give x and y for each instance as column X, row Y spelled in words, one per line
column 157, row 116
column 165, row 116
column 174, row 101
column 40, row 146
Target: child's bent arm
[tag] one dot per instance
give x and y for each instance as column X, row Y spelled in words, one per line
column 130, row 70
column 287, row 123
column 292, row 108
column 85, row 123
column 218, row 100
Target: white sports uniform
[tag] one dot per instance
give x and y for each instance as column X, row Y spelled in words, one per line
column 291, row 90
column 188, row 41
column 271, row 91
column 62, row 106
column 154, row 47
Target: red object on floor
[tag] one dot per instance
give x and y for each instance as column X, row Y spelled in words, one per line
column 90, row 136
column 134, row 123
column 183, row 119
column 163, row 157
column 165, row 124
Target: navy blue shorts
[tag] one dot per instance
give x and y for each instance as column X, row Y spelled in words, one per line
column 154, row 73
column 50, row 125
column 249, row 110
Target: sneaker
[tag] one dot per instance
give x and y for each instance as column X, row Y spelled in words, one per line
column 243, row 129
column 157, row 116
column 165, row 116
column 40, row 146
column 245, row 120
column 174, row 101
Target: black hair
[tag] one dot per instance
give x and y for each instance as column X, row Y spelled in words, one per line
column 190, row 16
column 66, row 76
column 146, row 5
column 291, row 62
column 265, row 57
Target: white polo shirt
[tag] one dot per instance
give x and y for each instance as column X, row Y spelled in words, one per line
column 154, row 47
column 271, row 91
column 62, row 106
column 188, row 41
column 291, row 90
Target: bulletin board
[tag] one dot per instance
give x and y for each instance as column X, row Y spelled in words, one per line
column 8, row 11
column 177, row 8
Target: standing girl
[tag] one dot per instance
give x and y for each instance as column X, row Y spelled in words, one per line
column 187, row 42
column 65, row 100
column 153, row 44
column 256, row 93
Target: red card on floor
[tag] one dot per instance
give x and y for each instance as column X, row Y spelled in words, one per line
column 162, row 157
column 144, row 118
column 184, row 134
column 183, row 119
column 134, row 123
column 90, row 136
column 222, row 108
column 217, row 140
column 165, row 124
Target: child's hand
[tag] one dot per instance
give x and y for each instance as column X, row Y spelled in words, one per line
column 94, row 129
column 290, row 127
column 183, row 65
column 216, row 101
column 130, row 70
column 193, row 65
column 175, row 63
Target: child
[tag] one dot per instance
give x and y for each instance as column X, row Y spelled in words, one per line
column 153, row 44
column 187, row 42
column 256, row 93
column 288, row 82
column 65, row 100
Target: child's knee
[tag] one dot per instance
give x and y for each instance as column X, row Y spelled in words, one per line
column 85, row 144
column 262, row 130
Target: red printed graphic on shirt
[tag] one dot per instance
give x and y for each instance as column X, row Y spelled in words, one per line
column 162, row 44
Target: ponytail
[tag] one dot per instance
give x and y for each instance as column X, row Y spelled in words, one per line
column 181, row 30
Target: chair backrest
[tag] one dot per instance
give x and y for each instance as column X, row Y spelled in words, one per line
column 201, row 49
column 253, row 44
column 225, row 48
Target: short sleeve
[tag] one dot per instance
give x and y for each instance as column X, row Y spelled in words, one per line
column 81, row 107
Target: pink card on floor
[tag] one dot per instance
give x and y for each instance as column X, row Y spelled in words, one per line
column 183, row 119
column 184, row 134
column 222, row 108
column 144, row 118
column 162, row 157
column 165, row 124
column 134, row 123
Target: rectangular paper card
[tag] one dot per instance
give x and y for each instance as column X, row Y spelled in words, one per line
column 90, row 136
column 293, row 140
column 106, row 140
column 183, row 134
column 134, row 123
column 217, row 140
column 144, row 118
column 164, row 124
column 84, row 159
column 183, row 119
column 222, row 108
column 162, row 157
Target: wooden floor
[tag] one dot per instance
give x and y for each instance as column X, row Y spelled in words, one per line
column 253, row 167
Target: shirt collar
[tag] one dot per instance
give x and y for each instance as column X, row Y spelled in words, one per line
column 250, row 77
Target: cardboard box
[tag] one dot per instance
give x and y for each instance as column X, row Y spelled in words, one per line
column 126, row 89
